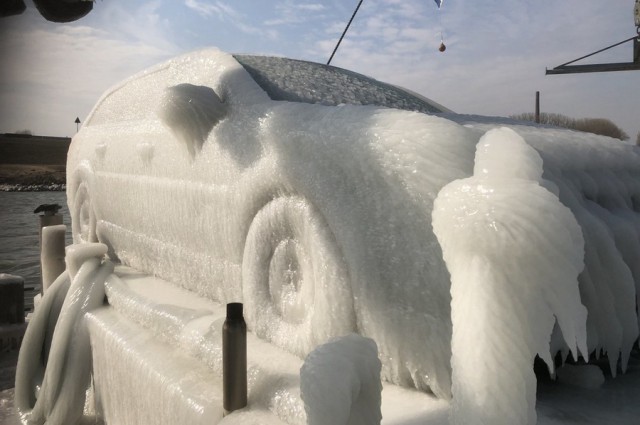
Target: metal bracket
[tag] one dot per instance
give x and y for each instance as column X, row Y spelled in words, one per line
column 567, row 68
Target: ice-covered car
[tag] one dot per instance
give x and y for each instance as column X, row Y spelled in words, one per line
column 306, row 192
column 268, row 181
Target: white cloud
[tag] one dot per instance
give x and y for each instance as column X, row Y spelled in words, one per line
column 291, row 12
column 225, row 13
column 207, row 9
column 143, row 24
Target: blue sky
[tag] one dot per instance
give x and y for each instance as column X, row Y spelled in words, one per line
column 497, row 51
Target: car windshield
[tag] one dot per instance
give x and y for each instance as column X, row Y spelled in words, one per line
column 300, row 81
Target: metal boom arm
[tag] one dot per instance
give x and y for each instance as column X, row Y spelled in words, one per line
column 568, row 68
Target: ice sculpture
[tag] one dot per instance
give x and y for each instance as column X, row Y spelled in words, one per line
column 308, row 196
column 514, row 253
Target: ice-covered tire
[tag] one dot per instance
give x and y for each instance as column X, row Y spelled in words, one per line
column 295, row 284
column 83, row 217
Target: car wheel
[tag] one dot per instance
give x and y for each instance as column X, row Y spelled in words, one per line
column 83, row 217
column 295, row 284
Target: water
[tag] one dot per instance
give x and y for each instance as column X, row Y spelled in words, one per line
column 19, row 243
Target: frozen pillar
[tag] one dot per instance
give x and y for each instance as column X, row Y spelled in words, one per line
column 49, row 217
column 52, row 253
column 514, row 252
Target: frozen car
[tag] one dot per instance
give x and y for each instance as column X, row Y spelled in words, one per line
column 269, row 181
column 306, row 192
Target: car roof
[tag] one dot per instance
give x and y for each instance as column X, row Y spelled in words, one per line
column 309, row 82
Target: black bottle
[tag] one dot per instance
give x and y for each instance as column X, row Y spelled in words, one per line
column 234, row 359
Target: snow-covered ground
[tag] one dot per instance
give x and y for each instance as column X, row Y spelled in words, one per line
column 462, row 246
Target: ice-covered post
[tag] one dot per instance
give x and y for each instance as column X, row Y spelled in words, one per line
column 514, row 252
column 49, row 217
column 234, row 359
column 52, row 253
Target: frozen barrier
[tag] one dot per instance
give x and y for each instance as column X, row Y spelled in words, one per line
column 318, row 217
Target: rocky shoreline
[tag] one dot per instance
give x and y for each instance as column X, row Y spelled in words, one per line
column 32, row 177
column 51, row 187
column 32, row 163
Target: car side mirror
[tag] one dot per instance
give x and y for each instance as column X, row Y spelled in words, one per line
column 191, row 112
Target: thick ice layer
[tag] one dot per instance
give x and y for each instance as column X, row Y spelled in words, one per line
column 340, row 382
column 514, row 253
column 141, row 380
column 185, row 324
column 190, row 112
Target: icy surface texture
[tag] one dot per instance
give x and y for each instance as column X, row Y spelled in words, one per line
column 299, row 81
column 340, row 382
column 140, row 379
column 58, row 331
column 317, row 217
column 514, row 253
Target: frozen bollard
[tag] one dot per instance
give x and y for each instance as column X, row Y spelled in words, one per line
column 49, row 217
column 11, row 299
column 52, row 253
column 234, row 359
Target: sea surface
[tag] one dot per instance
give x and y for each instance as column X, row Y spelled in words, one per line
column 19, row 240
